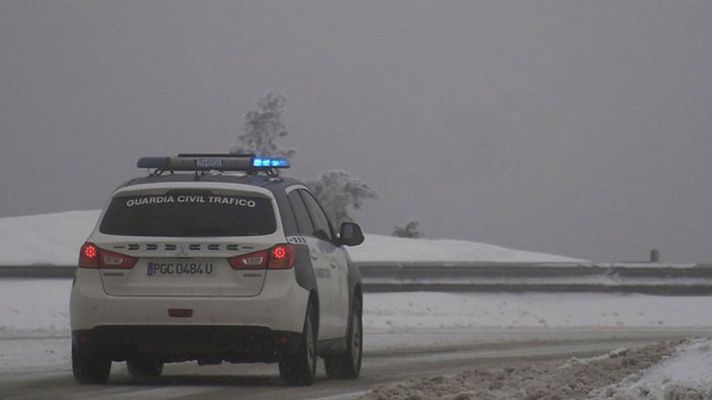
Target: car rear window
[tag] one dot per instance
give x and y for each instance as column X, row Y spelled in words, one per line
column 189, row 214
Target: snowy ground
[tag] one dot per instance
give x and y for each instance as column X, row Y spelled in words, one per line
column 387, row 248
column 34, row 322
column 34, row 313
column 40, row 307
column 49, row 239
column 539, row 310
column 54, row 239
column 683, row 376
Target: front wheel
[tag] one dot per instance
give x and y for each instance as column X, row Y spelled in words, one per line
column 300, row 369
column 348, row 364
column 88, row 366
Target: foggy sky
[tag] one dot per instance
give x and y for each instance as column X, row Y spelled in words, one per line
column 581, row 128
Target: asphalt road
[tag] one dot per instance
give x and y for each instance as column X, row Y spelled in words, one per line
column 397, row 357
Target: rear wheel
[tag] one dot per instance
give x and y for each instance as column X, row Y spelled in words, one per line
column 88, row 365
column 348, row 364
column 144, row 368
column 300, row 368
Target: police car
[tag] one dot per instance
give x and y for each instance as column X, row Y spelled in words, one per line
column 216, row 258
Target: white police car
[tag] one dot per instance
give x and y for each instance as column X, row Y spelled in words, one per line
column 215, row 258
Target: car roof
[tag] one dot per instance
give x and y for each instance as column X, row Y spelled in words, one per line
column 274, row 184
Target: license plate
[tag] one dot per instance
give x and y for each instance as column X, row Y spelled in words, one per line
column 179, row 268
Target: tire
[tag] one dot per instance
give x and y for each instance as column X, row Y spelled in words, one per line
column 300, row 369
column 88, row 366
column 144, row 368
column 348, row 364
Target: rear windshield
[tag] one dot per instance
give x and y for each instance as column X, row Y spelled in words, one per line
column 192, row 214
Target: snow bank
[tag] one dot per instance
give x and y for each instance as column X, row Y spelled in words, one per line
column 686, row 375
column 551, row 380
column 54, row 239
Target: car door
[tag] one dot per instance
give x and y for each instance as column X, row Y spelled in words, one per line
column 319, row 262
column 335, row 260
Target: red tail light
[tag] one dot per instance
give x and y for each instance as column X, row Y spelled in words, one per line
column 91, row 256
column 88, row 256
column 280, row 256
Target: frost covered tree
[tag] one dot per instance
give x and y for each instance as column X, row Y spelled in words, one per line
column 338, row 192
column 410, row 230
column 263, row 127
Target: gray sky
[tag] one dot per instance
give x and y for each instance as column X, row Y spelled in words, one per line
column 575, row 127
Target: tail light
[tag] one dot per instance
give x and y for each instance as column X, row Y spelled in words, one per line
column 92, row 256
column 88, row 256
column 280, row 256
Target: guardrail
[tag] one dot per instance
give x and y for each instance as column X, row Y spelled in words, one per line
column 666, row 279
column 36, row 271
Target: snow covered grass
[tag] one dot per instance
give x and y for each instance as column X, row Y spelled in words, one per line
column 48, row 239
column 54, row 239
column 387, row 248
column 421, row 310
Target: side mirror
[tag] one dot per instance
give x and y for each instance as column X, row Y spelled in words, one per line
column 350, row 234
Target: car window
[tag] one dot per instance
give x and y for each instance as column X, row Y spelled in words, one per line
column 286, row 212
column 322, row 227
column 304, row 224
column 189, row 214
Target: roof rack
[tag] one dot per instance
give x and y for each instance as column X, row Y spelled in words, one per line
column 203, row 162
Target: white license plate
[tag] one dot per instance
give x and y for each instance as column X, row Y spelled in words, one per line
column 179, row 268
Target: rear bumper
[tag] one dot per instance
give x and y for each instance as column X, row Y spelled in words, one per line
column 206, row 344
column 280, row 306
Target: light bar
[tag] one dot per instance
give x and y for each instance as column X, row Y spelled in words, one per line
column 219, row 162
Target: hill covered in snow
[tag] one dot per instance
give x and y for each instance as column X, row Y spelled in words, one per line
column 54, row 239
